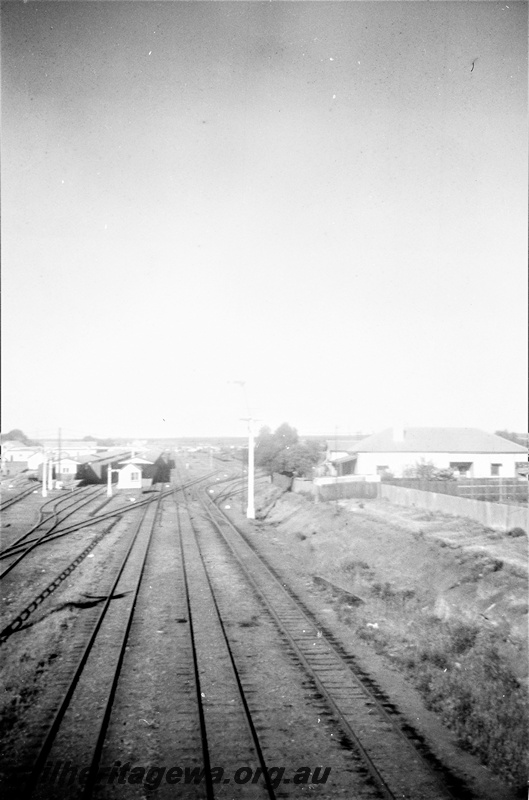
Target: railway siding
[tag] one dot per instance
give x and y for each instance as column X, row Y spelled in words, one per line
column 397, row 766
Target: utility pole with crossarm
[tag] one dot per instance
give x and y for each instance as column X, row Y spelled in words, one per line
column 250, row 511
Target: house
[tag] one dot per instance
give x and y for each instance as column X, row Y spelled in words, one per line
column 14, row 451
column 343, row 446
column 19, row 458
column 71, row 448
column 130, row 474
column 466, row 451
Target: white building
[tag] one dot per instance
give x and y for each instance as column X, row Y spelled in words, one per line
column 14, row 451
column 130, row 475
column 467, row 451
column 18, row 458
column 70, row 448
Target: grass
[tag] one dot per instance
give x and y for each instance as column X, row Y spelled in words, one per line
column 461, row 673
column 480, row 699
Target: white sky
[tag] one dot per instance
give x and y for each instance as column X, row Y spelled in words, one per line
column 327, row 200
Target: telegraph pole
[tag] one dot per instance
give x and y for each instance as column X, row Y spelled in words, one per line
column 44, row 481
column 109, row 479
column 250, row 511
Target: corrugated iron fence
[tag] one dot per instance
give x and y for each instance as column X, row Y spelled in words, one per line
column 495, row 490
column 362, row 490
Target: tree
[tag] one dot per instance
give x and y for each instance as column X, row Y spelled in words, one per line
column 282, row 451
column 16, row 435
column 301, row 458
column 286, row 435
column 512, row 437
column 427, row 471
column 267, row 450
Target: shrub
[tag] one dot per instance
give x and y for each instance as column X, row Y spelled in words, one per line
column 515, row 532
column 462, row 674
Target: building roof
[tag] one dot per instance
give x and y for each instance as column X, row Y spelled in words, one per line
column 12, row 445
column 136, row 460
column 345, row 443
column 344, row 459
column 437, row 440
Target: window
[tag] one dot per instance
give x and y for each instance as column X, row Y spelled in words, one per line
column 463, row 467
column 134, row 476
column 381, row 470
column 495, row 469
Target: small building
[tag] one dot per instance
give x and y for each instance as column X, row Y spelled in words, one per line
column 35, row 460
column 94, row 469
column 19, row 458
column 66, row 468
column 70, row 448
column 467, row 452
column 14, row 451
column 130, row 475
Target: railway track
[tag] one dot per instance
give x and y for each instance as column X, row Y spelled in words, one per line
column 222, row 728
column 199, row 658
column 198, row 632
column 94, row 679
column 249, row 720
column 51, row 515
column 17, row 498
column 396, row 766
column 19, row 551
column 229, row 736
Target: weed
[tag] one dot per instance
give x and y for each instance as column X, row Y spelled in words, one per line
column 478, row 695
column 463, row 637
column 383, row 590
column 515, row 532
column 250, row 623
column 352, row 566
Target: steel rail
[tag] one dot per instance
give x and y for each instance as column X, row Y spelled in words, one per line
column 17, row 498
column 55, row 725
column 71, row 510
column 318, row 664
column 253, row 731
column 92, row 521
column 210, row 794
column 16, row 623
column 100, row 741
column 54, row 501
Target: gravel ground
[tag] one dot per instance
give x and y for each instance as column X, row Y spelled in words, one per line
column 439, row 565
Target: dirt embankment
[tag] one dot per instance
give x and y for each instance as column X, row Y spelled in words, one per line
column 443, row 599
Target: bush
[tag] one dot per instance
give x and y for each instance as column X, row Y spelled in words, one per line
column 515, row 532
column 462, row 674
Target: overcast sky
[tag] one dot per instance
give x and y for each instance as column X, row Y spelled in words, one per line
column 327, row 200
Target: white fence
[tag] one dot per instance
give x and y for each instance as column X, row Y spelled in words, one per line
column 491, row 515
